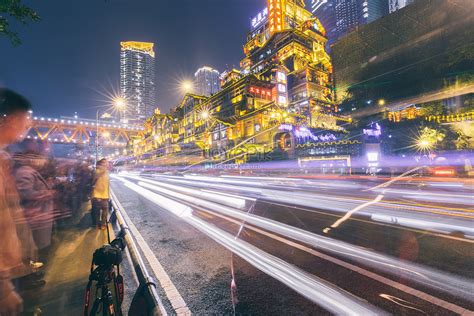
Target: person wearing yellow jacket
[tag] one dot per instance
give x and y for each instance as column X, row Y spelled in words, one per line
column 100, row 194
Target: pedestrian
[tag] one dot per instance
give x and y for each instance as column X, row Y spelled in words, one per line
column 100, row 194
column 14, row 124
column 36, row 197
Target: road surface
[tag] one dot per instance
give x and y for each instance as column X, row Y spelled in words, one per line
column 314, row 245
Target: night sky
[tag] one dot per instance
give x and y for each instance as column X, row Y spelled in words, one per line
column 70, row 59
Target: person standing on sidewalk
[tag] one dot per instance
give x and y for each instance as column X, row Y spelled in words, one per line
column 14, row 124
column 100, row 194
column 36, row 197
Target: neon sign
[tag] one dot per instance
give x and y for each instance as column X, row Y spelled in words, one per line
column 260, row 91
column 286, row 127
column 261, row 16
column 376, row 131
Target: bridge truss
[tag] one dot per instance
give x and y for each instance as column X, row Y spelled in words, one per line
column 68, row 130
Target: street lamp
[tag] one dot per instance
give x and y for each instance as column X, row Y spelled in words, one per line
column 104, row 115
column 205, row 115
column 120, row 104
column 187, row 86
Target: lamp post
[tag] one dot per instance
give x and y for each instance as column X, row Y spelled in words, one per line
column 97, row 138
column 120, row 104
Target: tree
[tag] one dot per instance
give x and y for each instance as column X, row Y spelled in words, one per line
column 463, row 141
column 15, row 10
column 433, row 108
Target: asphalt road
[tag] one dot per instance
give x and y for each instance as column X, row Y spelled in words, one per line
column 282, row 245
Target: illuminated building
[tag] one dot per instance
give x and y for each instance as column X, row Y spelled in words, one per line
column 395, row 5
column 352, row 13
column 445, row 20
column 346, row 15
column 325, row 11
column 280, row 101
column 137, row 79
column 371, row 10
column 206, row 81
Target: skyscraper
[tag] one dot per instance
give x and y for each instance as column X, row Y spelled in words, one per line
column 346, row 16
column 207, row 81
column 351, row 13
column 371, row 10
column 137, row 79
column 325, row 11
column 395, row 5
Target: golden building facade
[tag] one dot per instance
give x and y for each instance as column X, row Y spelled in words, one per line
column 284, row 83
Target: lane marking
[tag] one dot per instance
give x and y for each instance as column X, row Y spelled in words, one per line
column 176, row 300
column 425, row 276
column 315, row 289
column 399, row 286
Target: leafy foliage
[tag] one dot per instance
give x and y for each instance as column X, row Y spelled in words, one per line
column 15, row 10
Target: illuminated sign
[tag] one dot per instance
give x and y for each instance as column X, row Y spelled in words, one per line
column 281, row 88
column 260, row 92
column 275, row 12
column 261, row 16
column 281, row 77
column 286, row 127
column 304, row 133
column 282, row 99
column 376, row 131
column 372, row 157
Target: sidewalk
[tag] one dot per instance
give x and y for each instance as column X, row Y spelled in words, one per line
column 67, row 268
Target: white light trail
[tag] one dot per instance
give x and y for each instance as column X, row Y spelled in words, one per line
column 393, row 266
column 317, row 290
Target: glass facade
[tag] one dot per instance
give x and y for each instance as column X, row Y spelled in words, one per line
column 137, row 79
column 207, row 81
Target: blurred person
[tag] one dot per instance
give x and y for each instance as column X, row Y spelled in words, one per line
column 100, row 194
column 14, row 124
column 36, row 197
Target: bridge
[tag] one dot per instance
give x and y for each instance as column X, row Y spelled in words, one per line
column 74, row 130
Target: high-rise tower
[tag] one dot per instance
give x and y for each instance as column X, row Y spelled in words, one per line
column 342, row 16
column 325, row 11
column 395, row 5
column 137, row 79
column 207, row 81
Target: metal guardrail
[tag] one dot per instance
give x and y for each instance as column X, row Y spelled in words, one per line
column 146, row 296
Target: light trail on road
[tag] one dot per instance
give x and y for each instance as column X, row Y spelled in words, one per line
column 334, row 202
column 313, row 288
column 426, row 277
column 229, row 198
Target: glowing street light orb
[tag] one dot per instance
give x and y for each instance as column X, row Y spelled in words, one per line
column 187, row 86
column 120, row 103
column 424, row 144
column 204, row 115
